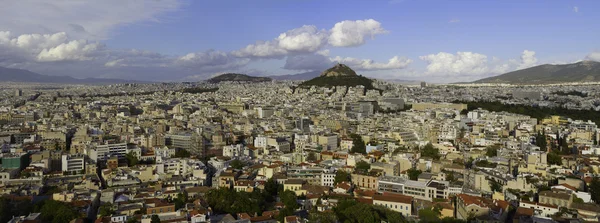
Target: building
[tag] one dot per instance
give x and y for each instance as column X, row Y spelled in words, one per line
column 18, row 93
column 102, row 152
column 329, row 142
column 73, row 163
column 556, row 198
column 395, row 202
column 365, row 181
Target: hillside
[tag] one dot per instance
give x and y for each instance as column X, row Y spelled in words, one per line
column 548, row 74
column 20, row 75
column 339, row 75
column 237, row 77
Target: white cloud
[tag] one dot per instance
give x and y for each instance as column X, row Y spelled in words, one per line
column 460, row 63
column 367, row 64
column 261, row 49
column 576, row 9
column 73, row 50
column 80, row 19
column 308, row 62
column 454, row 21
column 528, row 59
column 354, row 33
column 309, row 39
column 303, row 39
column 595, row 56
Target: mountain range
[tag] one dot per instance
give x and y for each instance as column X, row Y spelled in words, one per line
column 20, row 75
column 237, row 77
column 584, row 71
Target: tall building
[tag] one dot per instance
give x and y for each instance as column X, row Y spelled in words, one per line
column 18, row 93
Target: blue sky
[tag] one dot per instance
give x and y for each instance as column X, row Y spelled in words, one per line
column 172, row 40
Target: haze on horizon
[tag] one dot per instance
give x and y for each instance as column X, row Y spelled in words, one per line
column 184, row 40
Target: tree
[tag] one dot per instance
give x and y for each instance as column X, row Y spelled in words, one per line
column 413, row 173
column 182, row 153
column 56, row 211
column 553, row 158
column 429, row 215
column 132, row 159
column 491, row 151
column 358, row 145
column 155, row 219
column 341, row 176
column 594, row 190
column 362, row 166
column 540, row 140
column 237, row 164
column 311, row 157
column 495, row 186
column 430, row 151
column 106, row 210
column 469, row 163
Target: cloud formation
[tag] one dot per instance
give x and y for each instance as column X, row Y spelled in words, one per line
column 595, row 56
column 99, row 19
column 474, row 64
column 309, row 39
column 320, row 62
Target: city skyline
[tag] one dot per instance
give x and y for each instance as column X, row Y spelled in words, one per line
column 174, row 40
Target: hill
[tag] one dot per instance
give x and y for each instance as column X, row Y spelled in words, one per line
column 237, row 77
column 20, row 75
column 339, row 75
column 584, row 71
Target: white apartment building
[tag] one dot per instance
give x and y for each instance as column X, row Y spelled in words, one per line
column 102, row 152
column 74, row 162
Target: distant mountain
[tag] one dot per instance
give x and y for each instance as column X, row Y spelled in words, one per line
column 339, row 75
column 584, row 71
column 20, row 75
column 237, row 77
column 295, row 77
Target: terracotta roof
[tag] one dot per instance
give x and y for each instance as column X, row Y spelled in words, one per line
column 389, row 197
column 521, row 211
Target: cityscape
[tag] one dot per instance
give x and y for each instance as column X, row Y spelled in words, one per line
column 285, row 130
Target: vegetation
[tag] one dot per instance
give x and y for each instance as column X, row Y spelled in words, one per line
column 544, row 74
column 56, row 211
column 182, row 153
column 535, row 112
column 180, row 200
column 341, row 176
column 495, row 186
column 413, row 173
column 573, row 93
column 132, row 159
column 553, row 158
column 540, row 140
column 155, row 219
column 362, row 166
column 352, row 211
column 358, row 145
column 594, row 190
column 311, row 157
column 330, row 81
column 427, row 215
column 430, row 151
column 492, row 151
column 237, row 164
column 237, row 77
column 198, row 90
column 224, row 200
column 485, row 163
column 106, row 210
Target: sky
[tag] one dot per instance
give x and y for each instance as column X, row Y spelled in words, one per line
column 186, row 40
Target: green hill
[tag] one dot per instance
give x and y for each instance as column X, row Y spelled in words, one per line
column 585, row 71
column 238, row 78
column 339, row 75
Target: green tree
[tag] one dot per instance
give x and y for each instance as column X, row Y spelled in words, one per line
column 362, row 166
column 491, row 151
column 469, row 163
column 237, row 164
column 358, row 145
column 131, row 158
column 594, row 190
column 540, row 140
column 430, row 151
column 495, row 186
column 341, row 176
column 155, row 219
column 106, row 210
column 182, row 153
column 56, row 212
column 429, row 215
column 554, row 158
column 311, row 157
column 413, row 173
